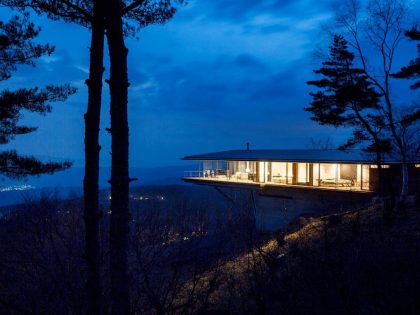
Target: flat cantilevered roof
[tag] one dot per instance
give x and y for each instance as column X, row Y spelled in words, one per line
column 298, row 155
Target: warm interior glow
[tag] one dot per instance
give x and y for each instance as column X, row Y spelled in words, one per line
column 263, row 172
column 303, row 173
column 279, row 172
column 333, row 175
column 315, row 181
column 365, row 177
column 290, row 172
column 328, row 171
column 382, row 166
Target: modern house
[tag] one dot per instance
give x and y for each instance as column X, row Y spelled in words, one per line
column 351, row 170
column 283, row 184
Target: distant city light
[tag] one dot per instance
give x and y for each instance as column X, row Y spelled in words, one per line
column 16, row 188
column 147, row 197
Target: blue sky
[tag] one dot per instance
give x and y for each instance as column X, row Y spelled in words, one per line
column 218, row 75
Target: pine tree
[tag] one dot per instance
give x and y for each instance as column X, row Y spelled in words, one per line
column 92, row 212
column 346, row 98
column 412, row 70
column 117, row 27
column 17, row 47
column 375, row 29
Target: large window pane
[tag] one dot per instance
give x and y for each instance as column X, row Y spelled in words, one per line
column 365, row 177
column 328, row 174
column 290, row 175
column 339, row 175
column 302, row 173
column 242, row 170
column 315, row 180
column 279, row 172
column 347, row 175
column 263, row 172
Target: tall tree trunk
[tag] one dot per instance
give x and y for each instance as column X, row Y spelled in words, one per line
column 92, row 149
column 400, row 145
column 119, row 222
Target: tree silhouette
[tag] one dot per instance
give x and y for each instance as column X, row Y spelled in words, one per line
column 133, row 15
column 120, row 216
column 346, row 98
column 412, row 70
column 153, row 12
column 18, row 48
column 376, row 28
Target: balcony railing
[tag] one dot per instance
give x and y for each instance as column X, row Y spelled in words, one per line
column 224, row 175
column 193, row 174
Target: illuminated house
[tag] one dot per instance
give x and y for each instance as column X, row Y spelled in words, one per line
column 352, row 170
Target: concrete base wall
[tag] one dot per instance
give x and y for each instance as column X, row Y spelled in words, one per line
column 276, row 208
column 392, row 179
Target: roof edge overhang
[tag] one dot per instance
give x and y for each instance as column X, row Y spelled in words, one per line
column 193, row 158
column 352, row 156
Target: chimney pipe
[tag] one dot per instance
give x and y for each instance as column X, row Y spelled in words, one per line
column 247, row 146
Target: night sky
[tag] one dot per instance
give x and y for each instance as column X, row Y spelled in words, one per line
column 218, row 75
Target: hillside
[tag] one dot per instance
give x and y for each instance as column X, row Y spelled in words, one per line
column 187, row 256
column 361, row 262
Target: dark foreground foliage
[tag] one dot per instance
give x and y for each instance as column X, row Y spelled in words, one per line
column 18, row 47
column 360, row 263
column 186, row 258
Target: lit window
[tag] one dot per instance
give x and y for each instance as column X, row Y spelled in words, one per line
column 417, row 165
column 382, row 166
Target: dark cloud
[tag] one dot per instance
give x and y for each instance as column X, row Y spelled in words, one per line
column 248, row 9
column 56, row 69
column 227, row 86
column 248, row 61
column 221, row 73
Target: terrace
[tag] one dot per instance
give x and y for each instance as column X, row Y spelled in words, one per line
column 343, row 176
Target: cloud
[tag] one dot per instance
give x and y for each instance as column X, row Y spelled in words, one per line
column 265, row 15
column 226, row 84
column 248, row 9
column 220, row 73
column 248, row 61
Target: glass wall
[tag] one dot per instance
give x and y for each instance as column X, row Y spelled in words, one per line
column 365, row 177
column 279, row 172
column 334, row 175
column 242, row 170
column 282, row 172
column 214, row 168
column 338, row 175
column 302, row 173
column 264, row 174
column 316, row 173
column 290, row 174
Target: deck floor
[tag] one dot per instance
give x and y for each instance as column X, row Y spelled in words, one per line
column 252, row 183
